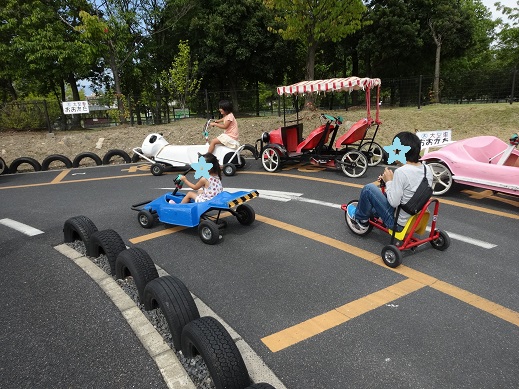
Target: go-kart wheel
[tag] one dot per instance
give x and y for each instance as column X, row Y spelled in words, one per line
column 157, row 169
column 391, row 256
column 270, row 159
column 373, row 152
column 442, row 178
column 229, row 169
column 145, row 218
column 246, row 214
column 354, row 164
column 349, row 222
column 209, row 232
column 443, row 242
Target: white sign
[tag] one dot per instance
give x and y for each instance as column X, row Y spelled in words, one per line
column 73, row 107
column 435, row 138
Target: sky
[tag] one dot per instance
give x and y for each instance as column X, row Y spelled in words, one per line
column 495, row 14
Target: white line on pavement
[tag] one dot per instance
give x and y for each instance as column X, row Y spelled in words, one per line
column 23, row 228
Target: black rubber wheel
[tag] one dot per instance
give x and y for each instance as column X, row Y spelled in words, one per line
column 443, row 242
column 391, row 256
column 116, row 153
column 229, row 169
column 86, row 155
column 175, row 301
column 249, row 149
column 208, row 338
column 146, row 219
column 107, row 242
column 157, row 169
column 79, row 228
column 137, row 263
column 4, row 169
column 209, row 232
column 260, row 385
column 45, row 165
column 13, row 168
column 350, row 223
column 136, row 157
column 246, row 214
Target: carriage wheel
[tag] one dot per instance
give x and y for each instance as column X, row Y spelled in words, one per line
column 354, row 164
column 373, row 152
column 270, row 159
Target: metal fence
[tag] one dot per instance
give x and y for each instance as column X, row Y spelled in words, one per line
column 459, row 88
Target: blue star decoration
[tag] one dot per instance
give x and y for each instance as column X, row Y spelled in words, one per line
column 397, row 151
column 201, row 168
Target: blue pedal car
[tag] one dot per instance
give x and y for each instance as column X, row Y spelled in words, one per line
column 205, row 215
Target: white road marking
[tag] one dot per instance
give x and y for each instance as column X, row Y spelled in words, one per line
column 287, row 196
column 23, row 228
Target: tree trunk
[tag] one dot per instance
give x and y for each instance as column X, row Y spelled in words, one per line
column 310, row 73
column 436, row 84
column 117, row 82
column 76, row 118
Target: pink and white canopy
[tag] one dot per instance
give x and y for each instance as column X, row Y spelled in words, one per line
column 332, row 85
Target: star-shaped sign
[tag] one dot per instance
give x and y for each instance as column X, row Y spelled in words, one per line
column 201, row 168
column 397, row 151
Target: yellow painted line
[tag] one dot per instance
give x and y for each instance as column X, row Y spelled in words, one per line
column 60, row 176
column 158, row 234
column 314, row 326
column 488, row 194
column 415, row 281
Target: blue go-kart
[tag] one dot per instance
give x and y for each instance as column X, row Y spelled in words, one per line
column 206, row 215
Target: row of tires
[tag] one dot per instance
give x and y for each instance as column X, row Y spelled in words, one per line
column 192, row 334
column 62, row 161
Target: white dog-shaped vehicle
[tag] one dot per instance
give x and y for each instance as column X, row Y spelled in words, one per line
column 157, row 151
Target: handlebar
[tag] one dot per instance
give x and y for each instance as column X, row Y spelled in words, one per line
column 331, row 118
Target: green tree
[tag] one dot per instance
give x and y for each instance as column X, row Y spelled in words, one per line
column 313, row 22
column 508, row 36
column 180, row 80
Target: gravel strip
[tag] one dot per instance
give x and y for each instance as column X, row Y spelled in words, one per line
column 195, row 367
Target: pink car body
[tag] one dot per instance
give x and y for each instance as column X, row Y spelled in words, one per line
column 483, row 161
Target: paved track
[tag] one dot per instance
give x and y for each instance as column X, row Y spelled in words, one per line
column 315, row 302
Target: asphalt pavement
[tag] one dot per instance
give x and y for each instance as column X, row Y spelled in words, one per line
column 308, row 298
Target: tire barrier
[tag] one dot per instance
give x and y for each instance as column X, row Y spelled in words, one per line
column 208, row 338
column 86, row 155
column 260, row 385
column 175, row 301
column 13, row 168
column 136, row 157
column 4, row 169
column 56, row 157
column 116, row 153
column 137, row 263
column 79, row 228
column 107, row 242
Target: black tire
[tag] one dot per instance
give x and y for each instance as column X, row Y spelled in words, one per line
column 157, row 169
column 246, row 214
column 391, row 256
column 56, row 157
column 209, row 232
column 208, row 338
column 350, row 223
column 13, row 168
column 79, row 228
column 175, row 301
column 116, row 153
column 136, row 157
column 107, row 242
column 443, row 242
column 4, row 169
column 137, row 263
column 86, row 155
column 260, row 385
column 229, row 169
column 249, row 149
column 146, row 219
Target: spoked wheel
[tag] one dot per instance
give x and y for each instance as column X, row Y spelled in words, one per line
column 373, row 152
column 442, row 178
column 354, row 164
column 157, row 169
column 209, row 232
column 352, row 227
column 443, row 242
column 391, row 256
column 270, row 159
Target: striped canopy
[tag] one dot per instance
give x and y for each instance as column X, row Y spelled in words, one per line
column 332, row 85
